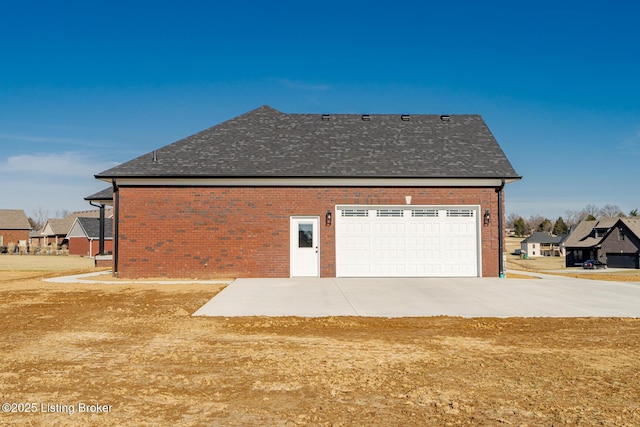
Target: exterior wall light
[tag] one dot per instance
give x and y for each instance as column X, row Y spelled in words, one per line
column 327, row 218
column 487, row 217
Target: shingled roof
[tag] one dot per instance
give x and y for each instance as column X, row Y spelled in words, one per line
column 14, row 219
column 584, row 235
column 57, row 226
column 268, row 143
column 90, row 227
column 543, row 237
column 105, row 195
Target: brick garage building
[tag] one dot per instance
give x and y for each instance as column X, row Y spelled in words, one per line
column 269, row 194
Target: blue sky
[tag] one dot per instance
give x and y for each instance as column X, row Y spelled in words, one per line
column 87, row 85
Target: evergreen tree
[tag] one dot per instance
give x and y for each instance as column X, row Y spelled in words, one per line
column 560, row 227
column 519, row 226
column 545, row 226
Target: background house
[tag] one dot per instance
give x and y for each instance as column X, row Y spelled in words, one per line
column 84, row 236
column 541, row 243
column 14, row 229
column 621, row 244
column 55, row 230
column 612, row 241
column 269, row 194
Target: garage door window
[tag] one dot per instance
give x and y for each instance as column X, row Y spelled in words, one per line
column 424, row 213
column 355, row 212
column 460, row 213
column 389, row 213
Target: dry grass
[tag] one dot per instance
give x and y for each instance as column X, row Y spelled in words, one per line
column 44, row 263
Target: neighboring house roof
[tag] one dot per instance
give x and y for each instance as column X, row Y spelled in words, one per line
column 268, row 143
column 588, row 234
column 93, row 213
column 14, row 219
column 90, row 228
column 58, row 226
column 633, row 224
column 104, row 196
column 542, row 237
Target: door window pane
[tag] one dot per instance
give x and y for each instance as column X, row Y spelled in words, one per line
column 305, row 235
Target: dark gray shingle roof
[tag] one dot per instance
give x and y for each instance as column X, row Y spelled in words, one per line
column 267, row 143
column 102, row 195
column 542, row 237
column 91, row 227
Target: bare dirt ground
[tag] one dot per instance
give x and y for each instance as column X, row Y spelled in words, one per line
column 132, row 352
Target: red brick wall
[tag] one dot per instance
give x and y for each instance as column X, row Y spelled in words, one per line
column 14, row 236
column 214, row 232
column 82, row 246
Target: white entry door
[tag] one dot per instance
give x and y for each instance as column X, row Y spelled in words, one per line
column 305, row 246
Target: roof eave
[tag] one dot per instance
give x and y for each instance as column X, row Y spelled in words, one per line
column 263, row 181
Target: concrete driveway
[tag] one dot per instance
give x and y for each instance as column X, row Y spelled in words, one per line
column 546, row 296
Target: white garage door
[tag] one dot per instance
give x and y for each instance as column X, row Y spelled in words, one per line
column 407, row 241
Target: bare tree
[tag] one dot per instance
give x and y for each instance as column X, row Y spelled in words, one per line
column 590, row 210
column 611, row 211
column 511, row 219
column 534, row 222
column 39, row 218
column 63, row 213
column 572, row 218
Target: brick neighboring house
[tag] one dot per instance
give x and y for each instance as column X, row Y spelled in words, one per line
column 612, row 241
column 55, row 230
column 14, row 228
column 270, row 194
column 541, row 243
column 84, row 236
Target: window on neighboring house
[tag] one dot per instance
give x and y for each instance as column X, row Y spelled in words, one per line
column 620, row 234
